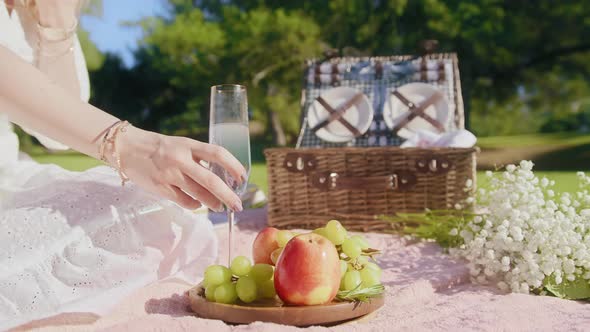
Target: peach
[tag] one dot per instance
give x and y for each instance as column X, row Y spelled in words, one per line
column 264, row 244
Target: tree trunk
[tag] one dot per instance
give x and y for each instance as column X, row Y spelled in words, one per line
column 278, row 134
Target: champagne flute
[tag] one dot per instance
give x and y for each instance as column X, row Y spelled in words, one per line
column 228, row 127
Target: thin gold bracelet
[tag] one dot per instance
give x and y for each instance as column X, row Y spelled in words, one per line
column 109, row 142
column 105, row 142
column 119, row 129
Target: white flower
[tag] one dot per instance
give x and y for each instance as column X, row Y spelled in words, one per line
column 502, row 285
column 568, row 266
column 468, row 183
column 453, row 232
column 528, row 232
column 526, row 165
column 506, row 260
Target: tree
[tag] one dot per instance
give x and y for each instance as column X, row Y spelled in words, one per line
column 505, row 47
column 263, row 49
column 520, row 61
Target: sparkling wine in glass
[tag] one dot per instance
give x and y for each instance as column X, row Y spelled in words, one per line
column 228, row 127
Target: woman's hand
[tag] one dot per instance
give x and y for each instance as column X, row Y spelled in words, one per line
column 169, row 166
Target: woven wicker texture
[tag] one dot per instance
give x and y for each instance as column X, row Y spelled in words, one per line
column 294, row 201
column 356, row 182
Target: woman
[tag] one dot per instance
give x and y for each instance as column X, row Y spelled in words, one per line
column 80, row 241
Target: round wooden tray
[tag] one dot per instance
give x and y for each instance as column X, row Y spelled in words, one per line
column 274, row 311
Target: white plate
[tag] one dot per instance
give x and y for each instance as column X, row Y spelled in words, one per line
column 395, row 111
column 359, row 115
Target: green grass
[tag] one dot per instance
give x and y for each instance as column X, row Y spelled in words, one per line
column 258, row 176
column 503, row 142
column 79, row 162
column 569, row 151
column 70, row 161
column 565, row 181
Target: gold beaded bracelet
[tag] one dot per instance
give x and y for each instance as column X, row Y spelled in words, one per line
column 109, row 141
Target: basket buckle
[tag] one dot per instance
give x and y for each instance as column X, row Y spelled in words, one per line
column 299, row 162
column 433, row 164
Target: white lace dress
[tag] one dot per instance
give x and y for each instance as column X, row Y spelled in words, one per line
column 78, row 241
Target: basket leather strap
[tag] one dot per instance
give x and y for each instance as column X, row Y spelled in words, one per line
column 398, row 181
column 337, row 113
column 418, row 110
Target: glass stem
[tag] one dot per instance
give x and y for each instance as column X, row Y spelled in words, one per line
column 230, row 221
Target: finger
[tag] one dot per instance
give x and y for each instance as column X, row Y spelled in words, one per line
column 184, row 200
column 219, row 155
column 214, row 185
column 188, row 185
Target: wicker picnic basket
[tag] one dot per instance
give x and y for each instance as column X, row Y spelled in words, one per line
column 358, row 181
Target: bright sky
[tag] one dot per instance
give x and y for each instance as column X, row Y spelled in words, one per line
column 107, row 32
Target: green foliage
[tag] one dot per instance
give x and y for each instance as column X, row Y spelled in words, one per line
column 522, row 63
column 578, row 289
column 360, row 294
column 181, row 58
column 94, row 58
column 564, row 122
column 431, row 225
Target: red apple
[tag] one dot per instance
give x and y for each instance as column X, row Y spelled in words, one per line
column 308, row 271
column 264, row 244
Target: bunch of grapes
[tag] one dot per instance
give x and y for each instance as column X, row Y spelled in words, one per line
column 248, row 283
column 356, row 269
column 241, row 280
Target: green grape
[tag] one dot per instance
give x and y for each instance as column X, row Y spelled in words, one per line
column 362, row 260
column 335, row 232
column 274, row 256
column 343, row 267
column 267, row 289
column 362, row 242
column 217, row 275
column 241, row 266
column 351, row 280
column 342, row 283
column 370, row 277
column 210, row 293
column 350, row 267
column 246, row 289
column 261, row 272
column 351, row 249
column 320, row 231
column 226, row 293
column 283, row 237
column 374, row 267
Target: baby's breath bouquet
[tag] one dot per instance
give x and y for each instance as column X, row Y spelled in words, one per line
column 523, row 238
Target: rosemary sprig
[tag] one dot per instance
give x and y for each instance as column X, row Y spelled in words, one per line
column 432, row 225
column 360, row 294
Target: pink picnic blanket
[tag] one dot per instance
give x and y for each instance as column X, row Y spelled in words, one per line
column 426, row 290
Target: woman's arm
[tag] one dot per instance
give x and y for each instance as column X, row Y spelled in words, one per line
column 162, row 164
column 55, row 58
